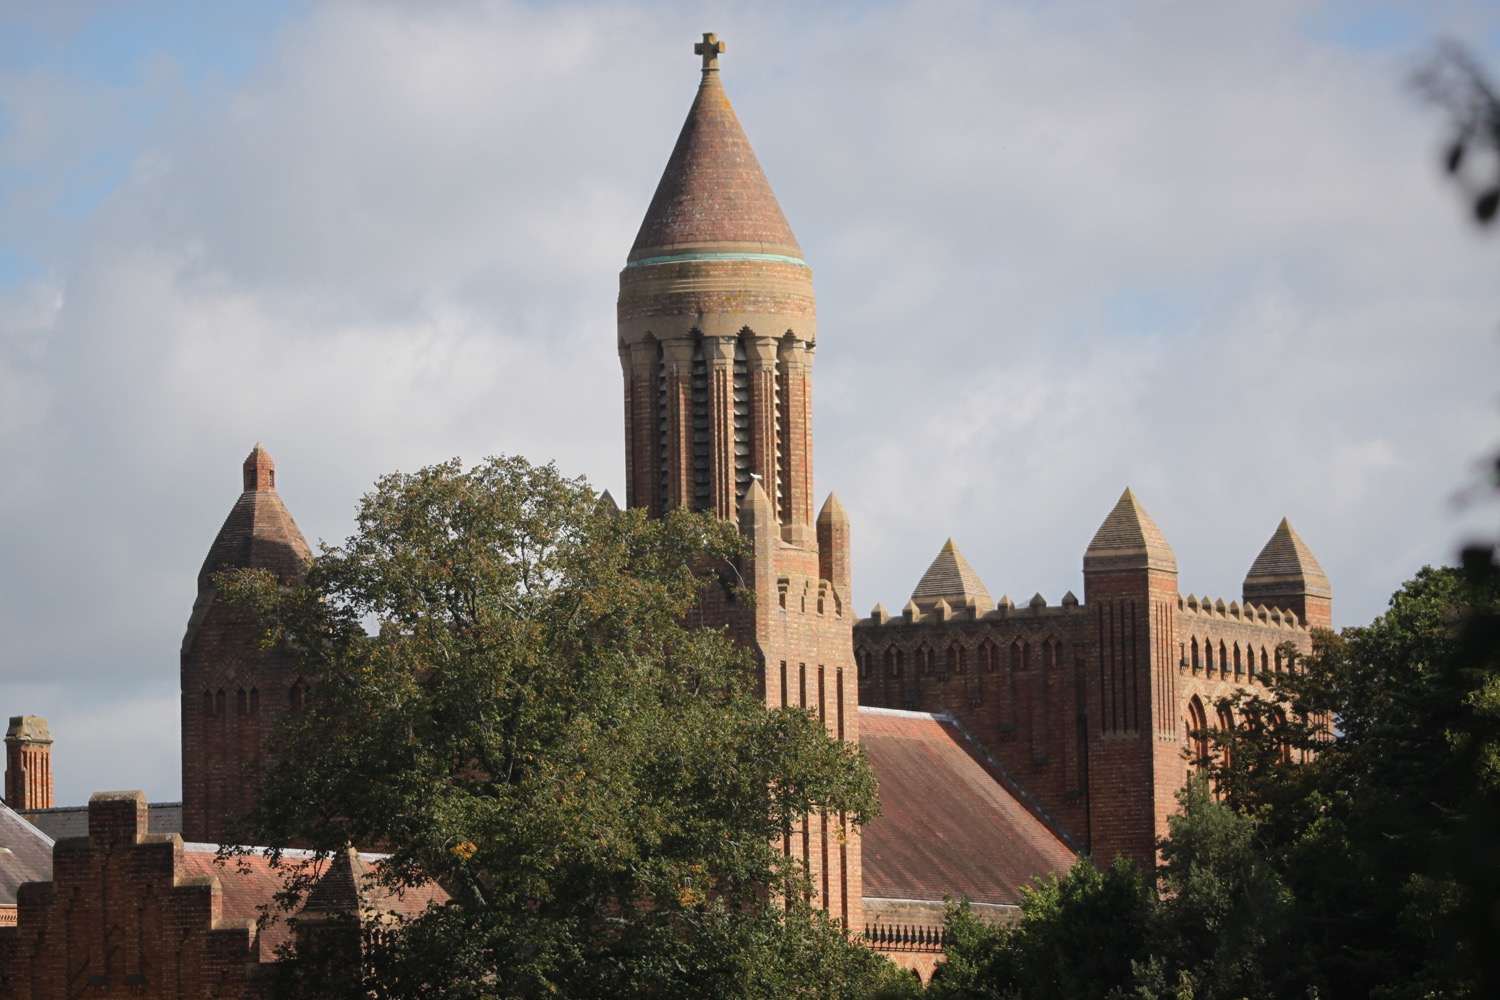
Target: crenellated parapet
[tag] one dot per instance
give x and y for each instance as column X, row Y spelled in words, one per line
column 1251, row 614
column 1089, row 702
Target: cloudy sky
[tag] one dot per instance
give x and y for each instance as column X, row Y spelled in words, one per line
column 1203, row 250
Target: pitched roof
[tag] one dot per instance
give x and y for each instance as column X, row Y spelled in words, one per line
column 1129, row 539
column 1286, row 561
column 713, row 190
column 259, row 532
column 25, row 854
column 249, row 885
column 952, row 579
column 948, row 823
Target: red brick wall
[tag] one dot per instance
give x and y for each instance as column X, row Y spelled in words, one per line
column 119, row 920
column 1084, row 705
column 233, row 693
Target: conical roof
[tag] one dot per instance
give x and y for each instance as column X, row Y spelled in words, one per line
column 1286, row 563
column 950, row 578
column 713, row 190
column 1129, row 539
column 259, row 532
column 341, row 889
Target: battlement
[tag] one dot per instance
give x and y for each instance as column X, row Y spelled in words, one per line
column 1250, row 614
column 973, row 611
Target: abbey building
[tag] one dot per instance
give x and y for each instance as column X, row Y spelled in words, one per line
column 1007, row 739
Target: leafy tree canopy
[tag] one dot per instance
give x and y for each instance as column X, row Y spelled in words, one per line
column 509, row 693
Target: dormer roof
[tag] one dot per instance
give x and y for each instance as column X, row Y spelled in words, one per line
column 1129, row 539
column 950, row 578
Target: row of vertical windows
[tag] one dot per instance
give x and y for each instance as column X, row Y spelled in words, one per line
column 1226, row 659
column 700, row 428
column 247, row 702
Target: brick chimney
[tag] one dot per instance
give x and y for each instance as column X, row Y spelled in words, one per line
column 28, row 764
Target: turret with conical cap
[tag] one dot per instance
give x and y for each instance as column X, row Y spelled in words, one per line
column 717, row 325
column 716, row 331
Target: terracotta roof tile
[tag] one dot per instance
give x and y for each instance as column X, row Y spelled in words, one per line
column 249, row 884
column 948, row 824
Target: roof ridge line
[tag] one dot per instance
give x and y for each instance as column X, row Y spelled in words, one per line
column 903, row 713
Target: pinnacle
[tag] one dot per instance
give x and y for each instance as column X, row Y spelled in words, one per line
column 1129, row 539
column 1287, row 559
column 950, row 578
column 713, row 190
column 756, row 511
column 833, row 511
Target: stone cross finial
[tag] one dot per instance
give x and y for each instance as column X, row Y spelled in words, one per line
column 709, row 49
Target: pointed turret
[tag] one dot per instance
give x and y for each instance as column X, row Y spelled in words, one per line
column 233, row 689
column 1129, row 539
column 716, row 329
column 833, row 545
column 1286, row 575
column 950, row 578
column 713, row 193
column 259, row 532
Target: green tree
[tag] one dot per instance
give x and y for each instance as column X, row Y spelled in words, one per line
column 1079, row 936
column 509, row 693
column 1224, row 912
column 1381, row 838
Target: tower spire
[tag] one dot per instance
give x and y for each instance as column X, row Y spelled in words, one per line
column 717, row 325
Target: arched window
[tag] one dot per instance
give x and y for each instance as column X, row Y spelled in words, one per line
column 1197, row 722
column 1223, row 658
column 893, row 661
column 924, row 659
column 1196, row 664
column 1239, row 668
column 1278, row 727
column 1208, row 652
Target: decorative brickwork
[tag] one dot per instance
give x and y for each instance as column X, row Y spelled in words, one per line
column 716, row 335
column 28, row 763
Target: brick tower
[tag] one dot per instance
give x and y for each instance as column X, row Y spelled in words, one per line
column 28, row 764
column 233, row 691
column 717, row 326
column 1287, row 575
column 1135, row 754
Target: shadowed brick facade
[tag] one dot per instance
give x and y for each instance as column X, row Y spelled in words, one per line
column 232, row 690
